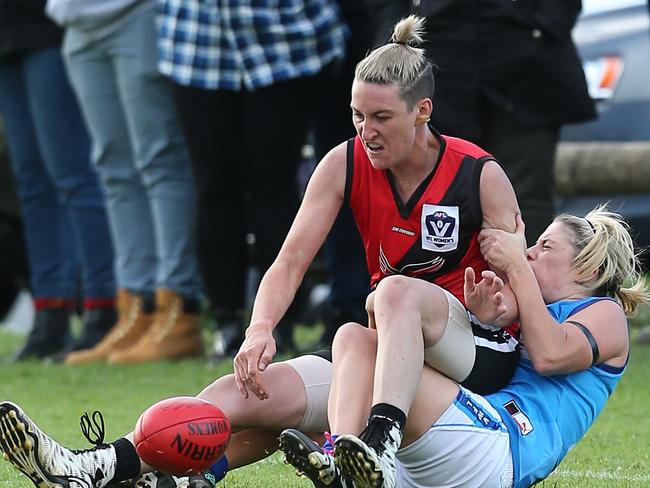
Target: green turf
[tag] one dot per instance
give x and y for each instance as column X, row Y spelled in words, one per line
column 615, row 452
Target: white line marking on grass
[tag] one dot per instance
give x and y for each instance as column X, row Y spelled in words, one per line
column 602, row 475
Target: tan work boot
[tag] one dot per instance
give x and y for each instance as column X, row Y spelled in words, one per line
column 174, row 334
column 134, row 318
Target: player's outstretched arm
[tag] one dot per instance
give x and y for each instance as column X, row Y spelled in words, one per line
column 319, row 208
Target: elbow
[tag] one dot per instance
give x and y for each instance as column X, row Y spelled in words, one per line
column 291, row 265
column 544, row 365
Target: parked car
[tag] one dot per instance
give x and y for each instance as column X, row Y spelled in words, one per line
column 613, row 39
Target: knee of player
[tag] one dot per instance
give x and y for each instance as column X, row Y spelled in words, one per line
column 353, row 338
column 395, row 291
column 224, row 394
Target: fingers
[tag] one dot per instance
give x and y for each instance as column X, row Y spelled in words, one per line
column 247, row 377
column 246, row 371
column 496, row 285
column 265, row 360
column 240, row 377
column 470, row 280
column 484, row 234
column 469, row 286
column 254, row 380
column 491, row 279
column 470, row 276
column 488, row 274
column 485, row 246
column 257, row 387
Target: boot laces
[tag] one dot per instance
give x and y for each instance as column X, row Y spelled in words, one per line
column 377, row 433
column 132, row 316
column 93, row 429
column 171, row 317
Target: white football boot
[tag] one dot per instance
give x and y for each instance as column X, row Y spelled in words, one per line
column 44, row 461
column 371, row 464
column 161, row 480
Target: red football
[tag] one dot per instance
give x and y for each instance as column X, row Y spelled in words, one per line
column 181, row 435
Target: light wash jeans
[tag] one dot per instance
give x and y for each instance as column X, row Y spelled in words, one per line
column 140, row 153
column 61, row 200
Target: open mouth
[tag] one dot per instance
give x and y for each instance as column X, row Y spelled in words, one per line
column 373, row 147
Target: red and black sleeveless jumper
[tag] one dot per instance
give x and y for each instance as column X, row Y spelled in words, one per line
column 432, row 236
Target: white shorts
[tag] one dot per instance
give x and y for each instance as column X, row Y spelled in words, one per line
column 316, row 374
column 467, row 447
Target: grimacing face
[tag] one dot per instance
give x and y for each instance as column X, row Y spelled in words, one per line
column 551, row 259
column 383, row 122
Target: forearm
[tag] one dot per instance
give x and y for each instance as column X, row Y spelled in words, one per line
column 510, row 301
column 539, row 330
column 274, row 295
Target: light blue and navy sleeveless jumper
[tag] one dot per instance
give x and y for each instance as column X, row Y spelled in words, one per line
column 547, row 415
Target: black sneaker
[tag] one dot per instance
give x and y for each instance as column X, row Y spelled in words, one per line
column 227, row 340
column 50, row 334
column 370, row 462
column 311, row 460
column 47, row 463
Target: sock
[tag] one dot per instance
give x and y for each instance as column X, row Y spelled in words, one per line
column 219, row 469
column 46, row 303
column 127, row 462
column 99, row 303
column 389, row 411
column 330, row 439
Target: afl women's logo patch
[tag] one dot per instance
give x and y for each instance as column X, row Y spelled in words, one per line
column 439, row 228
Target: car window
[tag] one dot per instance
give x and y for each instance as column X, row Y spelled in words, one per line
column 597, row 6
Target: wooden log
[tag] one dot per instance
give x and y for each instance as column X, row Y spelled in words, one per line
column 584, row 168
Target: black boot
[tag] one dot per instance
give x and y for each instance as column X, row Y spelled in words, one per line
column 227, row 339
column 96, row 323
column 49, row 335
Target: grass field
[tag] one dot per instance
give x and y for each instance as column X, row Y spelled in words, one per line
column 615, row 452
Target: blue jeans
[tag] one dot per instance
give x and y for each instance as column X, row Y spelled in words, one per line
column 140, row 153
column 61, row 200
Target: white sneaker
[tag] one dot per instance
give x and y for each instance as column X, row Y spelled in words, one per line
column 44, row 461
column 162, row 480
column 155, row 480
column 370, row 464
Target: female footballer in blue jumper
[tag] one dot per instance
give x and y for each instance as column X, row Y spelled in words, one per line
column 572, row 305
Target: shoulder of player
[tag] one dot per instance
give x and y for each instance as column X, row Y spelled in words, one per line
column 464, row 148
column 608, row 312
column 330, row 171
